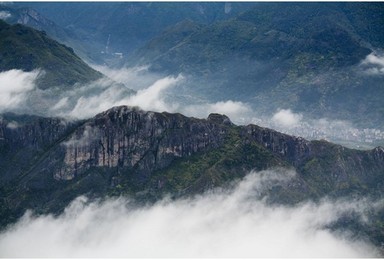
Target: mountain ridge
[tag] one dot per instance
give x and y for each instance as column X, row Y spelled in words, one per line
column 130, row 152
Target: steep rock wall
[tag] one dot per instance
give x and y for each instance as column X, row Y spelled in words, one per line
column 291, row 148
column 129, row 138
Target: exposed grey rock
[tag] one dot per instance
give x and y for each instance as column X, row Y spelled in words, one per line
column 135, row 139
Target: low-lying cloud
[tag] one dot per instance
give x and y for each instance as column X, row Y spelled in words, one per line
column 135, row 78
column 4, row 15
column 232, row 223
column 87, row 136
column 86, row 103
column 20, row 94
column 15, row 86
column 235, row 110
column 151, row 98
column 373, row 64
column 286, row 118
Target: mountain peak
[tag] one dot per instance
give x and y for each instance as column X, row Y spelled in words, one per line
column 219, row 119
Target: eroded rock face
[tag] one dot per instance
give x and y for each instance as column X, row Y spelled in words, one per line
column 131, row 138
column 38, row 134
column 24, row 140
column 293, row 149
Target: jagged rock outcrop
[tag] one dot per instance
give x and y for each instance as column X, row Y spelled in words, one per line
column 136, row 140
column 293, row 149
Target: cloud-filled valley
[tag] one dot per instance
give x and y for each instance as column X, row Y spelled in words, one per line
column 222, row 223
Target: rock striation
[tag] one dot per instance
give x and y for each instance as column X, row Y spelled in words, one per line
column 137, row 140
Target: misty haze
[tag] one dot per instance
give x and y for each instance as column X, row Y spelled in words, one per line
column 195, row 129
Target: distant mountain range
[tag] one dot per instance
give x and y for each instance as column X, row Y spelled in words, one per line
column 310, row 57
column 101, row 29
column 318, row 59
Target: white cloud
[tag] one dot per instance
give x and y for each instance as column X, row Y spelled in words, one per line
column 374, row 59
column 91, row 99
column 133, row 77
column 12, row 125
column 18, row 93
column 89, row 134
column 375, row 71
column 286, row 118
column 62, row 103
column 373, row 64
column 85, row 101
column 4, row 15
column 235, row 223
column 14, row 87
column 99, row 96
column 152, row 97
column 237, row 111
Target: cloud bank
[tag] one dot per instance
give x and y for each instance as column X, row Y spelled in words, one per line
column 19, row 94
column 232, row 223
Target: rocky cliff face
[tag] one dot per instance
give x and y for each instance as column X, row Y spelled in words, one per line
column 47, row 162
column 293, row 149
column 23, row 140
column 136, row 141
